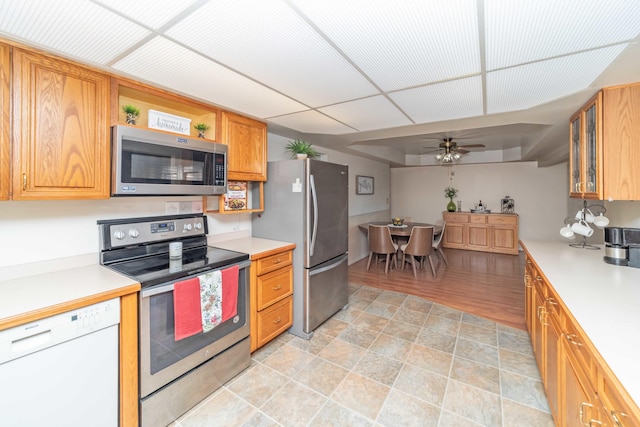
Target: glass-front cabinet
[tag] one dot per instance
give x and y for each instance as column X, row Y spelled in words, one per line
column 586, row 150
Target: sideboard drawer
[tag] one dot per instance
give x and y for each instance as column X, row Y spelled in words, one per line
column 503, row 219
column 456, row 217
column 478, row 219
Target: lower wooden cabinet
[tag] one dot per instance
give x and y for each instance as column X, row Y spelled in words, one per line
column 481, row 232
column 271, row 296
column 580, row 389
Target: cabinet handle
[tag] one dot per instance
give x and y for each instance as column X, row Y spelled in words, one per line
column 24, row 181
column 276, row 261
column 278, row 320
column 582, row 411
column 540, row 313
column 577, row 187
column 615, row 418
column 595, row 422
column 277, row 288
column 526, row 281
column 571, row 339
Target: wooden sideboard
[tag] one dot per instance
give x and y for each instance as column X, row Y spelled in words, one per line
column 481, row 232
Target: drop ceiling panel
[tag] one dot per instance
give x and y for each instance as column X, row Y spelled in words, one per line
column 162, row 62
column 269, row 42
column 152, row 13
column 367, row 114
column 76, row 28
column 443, row 101
column 402, row 44
column 311, row 122
column 525, row 86
column 524, row 31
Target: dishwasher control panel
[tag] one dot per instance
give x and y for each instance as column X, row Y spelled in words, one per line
column 40, row 334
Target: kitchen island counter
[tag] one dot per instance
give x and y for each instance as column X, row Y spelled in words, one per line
column 604, row 300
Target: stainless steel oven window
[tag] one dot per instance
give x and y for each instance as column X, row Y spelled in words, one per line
column 162, row 359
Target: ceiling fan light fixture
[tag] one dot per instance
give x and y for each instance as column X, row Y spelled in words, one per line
column 438, row 157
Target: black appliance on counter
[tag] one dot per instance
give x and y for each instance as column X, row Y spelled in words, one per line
column 622, row 246
column 176, row 374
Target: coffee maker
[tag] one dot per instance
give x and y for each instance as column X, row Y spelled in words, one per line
column 622, row 246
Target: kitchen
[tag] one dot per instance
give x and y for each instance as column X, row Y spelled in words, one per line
column 540, row 194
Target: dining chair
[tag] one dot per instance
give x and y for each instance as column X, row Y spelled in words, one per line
column 420, row 245
column 437, row 241
column 380, row 243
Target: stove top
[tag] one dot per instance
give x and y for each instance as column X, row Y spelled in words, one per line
column 159, row 268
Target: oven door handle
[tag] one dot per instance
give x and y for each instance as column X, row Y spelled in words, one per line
column 169, row 287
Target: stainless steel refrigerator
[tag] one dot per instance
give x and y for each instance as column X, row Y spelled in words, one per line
column 307, row 203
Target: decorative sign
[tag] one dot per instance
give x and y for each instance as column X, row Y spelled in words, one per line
column 169, row 122
column 236, row 197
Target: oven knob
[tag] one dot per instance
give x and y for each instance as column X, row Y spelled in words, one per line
column 134, row 232
column 119, row 235
column 198, row 225
column 188, row 227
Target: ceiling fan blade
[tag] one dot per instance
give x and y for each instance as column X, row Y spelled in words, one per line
column 460, row 151
column 471, row 146
column 433, row 150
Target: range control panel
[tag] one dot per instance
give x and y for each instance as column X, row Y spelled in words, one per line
column 138, row 233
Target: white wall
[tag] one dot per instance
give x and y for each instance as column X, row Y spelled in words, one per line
column 540, row 194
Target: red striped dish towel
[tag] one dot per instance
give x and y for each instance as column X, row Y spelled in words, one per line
column 186, row 308
column 229, row 292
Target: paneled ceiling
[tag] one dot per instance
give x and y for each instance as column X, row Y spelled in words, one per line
column 385, row 80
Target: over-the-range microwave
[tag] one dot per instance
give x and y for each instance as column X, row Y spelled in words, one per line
column 150, row 163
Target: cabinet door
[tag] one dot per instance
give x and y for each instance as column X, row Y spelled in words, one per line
column 247, row 141
column 592, row 175
column 529, row 274
column 478, row 237
column 60, row 129
column 504, row 239
column 552, row 374
column 575, row 130
column 454, row 235
column 5, row 140
column 539, row 327
column 580, row 403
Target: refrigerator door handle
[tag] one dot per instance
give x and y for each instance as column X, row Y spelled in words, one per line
column 314, row 198
column 341, row 260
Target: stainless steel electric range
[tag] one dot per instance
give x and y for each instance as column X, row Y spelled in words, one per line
column 176, row 374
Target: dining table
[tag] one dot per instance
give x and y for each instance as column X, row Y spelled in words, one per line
column 403, row 230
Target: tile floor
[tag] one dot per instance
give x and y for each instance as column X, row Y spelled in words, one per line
column 389, row 360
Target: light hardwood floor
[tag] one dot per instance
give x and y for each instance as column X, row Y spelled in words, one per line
column 484, row 284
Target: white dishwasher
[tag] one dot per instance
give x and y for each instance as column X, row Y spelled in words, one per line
column 62, row 370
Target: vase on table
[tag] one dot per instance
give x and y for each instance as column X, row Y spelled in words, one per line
column 451, row 206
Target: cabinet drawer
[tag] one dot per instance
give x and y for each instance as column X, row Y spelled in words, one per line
column 274, row 286
column 274, row 320
column 459, row 218
column 578, row 345
column 478, row 219
column 500, row 219
column 273, row 262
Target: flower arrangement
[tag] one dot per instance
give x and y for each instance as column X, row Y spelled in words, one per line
column 450, row 192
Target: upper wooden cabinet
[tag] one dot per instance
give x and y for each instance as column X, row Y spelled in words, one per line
column 247, row 141
column 603, row 146
column 5, row 137
column 60, row 129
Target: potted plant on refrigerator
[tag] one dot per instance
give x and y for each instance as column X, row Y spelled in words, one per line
column 300, row 149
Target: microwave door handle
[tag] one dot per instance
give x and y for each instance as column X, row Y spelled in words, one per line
column 314, row 200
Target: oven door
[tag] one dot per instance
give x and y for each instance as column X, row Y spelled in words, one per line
column 162, row 358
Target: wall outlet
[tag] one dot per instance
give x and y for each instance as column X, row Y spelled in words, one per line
column 172, row 208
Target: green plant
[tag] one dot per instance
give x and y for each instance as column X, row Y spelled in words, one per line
column 298, row 146
column 131, row 110
column 201, row 127
column 450, row 192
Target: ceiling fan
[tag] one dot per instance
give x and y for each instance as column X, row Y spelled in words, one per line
column 452, row 151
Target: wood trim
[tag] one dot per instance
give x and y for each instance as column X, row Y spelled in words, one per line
column 129, row 360
column 5, row 121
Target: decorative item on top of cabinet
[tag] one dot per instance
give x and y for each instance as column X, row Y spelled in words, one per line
column 247, row 141
column 60, row 129
column 603, row 136
column 132, row 112
column 162, row 108
column 201, row 128
column 5, row 138
column 271, row 295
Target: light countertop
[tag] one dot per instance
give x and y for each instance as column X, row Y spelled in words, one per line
column 603, row 298
column 254, row 246
column 31, row 297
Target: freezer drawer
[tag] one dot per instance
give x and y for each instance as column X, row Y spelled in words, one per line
column 326, row 291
